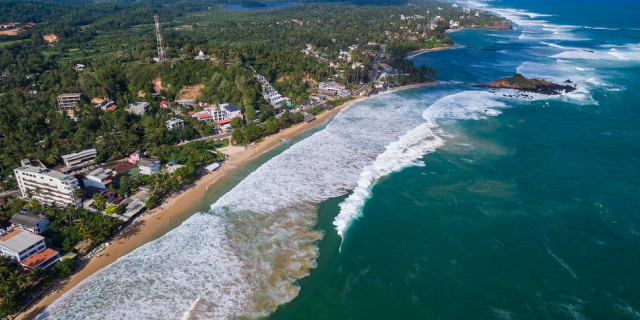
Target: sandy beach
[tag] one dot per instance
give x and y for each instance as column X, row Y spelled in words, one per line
column 144, row 228
column 412, row 54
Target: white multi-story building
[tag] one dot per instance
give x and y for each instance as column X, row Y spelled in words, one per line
column 67, row 102
column 27, row 248
column 80, row 159
column 53, row 186
column 221, row 113
column 174, row 124
column 331, row 88
column 99, row 178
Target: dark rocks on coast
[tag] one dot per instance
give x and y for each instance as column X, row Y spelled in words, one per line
column 521, row 83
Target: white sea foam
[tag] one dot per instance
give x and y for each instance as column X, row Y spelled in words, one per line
column 413, row 145
column 553, row 45
column 399, row 154
column 629, row 53
column 601, row 28
column 242, row 259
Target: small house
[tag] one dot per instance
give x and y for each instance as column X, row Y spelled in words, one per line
column 149, row 166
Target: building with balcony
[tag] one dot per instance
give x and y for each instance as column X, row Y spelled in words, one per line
column 174, row 124
column 331, row 88
column 47, row 186
column 67, row 102
column 80, row 159
column 27, row 248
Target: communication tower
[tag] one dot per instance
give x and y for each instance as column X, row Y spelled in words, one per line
column 161, row 55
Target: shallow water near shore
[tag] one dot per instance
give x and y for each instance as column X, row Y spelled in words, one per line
column 442, row 202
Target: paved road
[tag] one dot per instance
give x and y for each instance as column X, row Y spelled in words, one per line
column 373, row 74
column 217, row 136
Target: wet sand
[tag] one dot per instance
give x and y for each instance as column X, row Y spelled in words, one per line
column 144, row 228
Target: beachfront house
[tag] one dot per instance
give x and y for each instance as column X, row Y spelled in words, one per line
column 331, row 88
column 221, row 113
column 171, row 167
column 27, row 248
column 149, row 166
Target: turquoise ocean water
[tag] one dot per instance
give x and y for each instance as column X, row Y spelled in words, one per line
column 442, row 202
column 530, row 214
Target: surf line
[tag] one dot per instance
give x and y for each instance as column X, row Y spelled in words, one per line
column 404, row 152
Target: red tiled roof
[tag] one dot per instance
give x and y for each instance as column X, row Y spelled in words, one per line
column 111, row 108
column 204, row 116
column 40, row 258
column 117, row 200
column 123, row 166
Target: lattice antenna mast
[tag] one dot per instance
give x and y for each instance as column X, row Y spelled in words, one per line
column 161, row 55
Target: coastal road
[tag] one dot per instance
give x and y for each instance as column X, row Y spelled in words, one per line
column 374, row 71
column 217, row 136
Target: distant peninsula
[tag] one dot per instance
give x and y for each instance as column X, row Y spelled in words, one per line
column 253, row 4
column 519, row 82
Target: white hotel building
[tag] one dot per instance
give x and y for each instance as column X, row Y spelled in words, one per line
column 54, row 186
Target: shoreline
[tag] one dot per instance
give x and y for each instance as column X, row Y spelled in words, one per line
column 416, row 53
column 145, row 228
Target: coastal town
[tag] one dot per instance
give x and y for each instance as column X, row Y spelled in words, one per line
column 107, row 145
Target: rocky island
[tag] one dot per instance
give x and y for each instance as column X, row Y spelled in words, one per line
column 519, row 82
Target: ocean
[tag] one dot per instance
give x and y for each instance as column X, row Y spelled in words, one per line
column 442, row 202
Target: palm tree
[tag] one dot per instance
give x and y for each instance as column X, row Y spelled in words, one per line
column 29, row 194
column 17, row 278
column 36, row 274
column 6, row 265
column 77, row 194
column 52, row 157
column 102, row 232
column 99, row 202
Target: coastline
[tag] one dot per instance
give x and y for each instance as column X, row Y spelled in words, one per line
column 144, row 228
column 415, row 53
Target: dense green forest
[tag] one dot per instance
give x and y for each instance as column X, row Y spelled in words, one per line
column 116, row 41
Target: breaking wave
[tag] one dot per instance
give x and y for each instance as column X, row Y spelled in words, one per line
column 412, row 146
column 243, row 257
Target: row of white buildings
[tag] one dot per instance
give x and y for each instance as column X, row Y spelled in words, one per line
column 221, row 113
column 269, row 93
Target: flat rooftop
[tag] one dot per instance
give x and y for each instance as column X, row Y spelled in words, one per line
column 18, row 240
